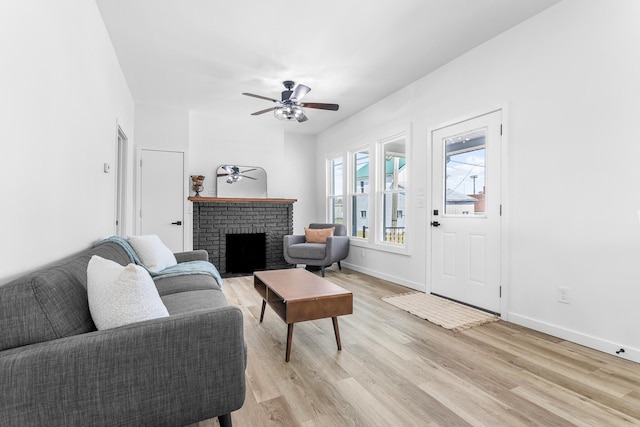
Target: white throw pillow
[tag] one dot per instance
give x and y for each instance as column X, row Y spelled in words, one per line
column 152, row 252
column 121, row 295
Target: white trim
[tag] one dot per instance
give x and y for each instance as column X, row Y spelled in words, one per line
column 394, row 279
column 590, row 341
column 121, row 170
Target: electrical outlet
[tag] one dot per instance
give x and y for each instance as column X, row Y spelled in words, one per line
column 362, row 253
column 563, row 295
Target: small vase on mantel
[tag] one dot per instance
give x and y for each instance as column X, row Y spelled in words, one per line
column 198, row 181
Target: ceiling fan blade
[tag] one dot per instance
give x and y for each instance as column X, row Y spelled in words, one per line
column 249, row 177
column 299, row 92
column 302, row 118
column 332, row 107
column 257, row 113
column 260, row 96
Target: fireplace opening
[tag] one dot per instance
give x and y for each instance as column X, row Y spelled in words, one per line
column 245, row 253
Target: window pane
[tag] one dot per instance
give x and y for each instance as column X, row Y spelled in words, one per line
column 361, row 170
column 465, row 187
column 395, row 176
column 336, row 177
column 394, row 217
column 360, row 220
column 336, row 210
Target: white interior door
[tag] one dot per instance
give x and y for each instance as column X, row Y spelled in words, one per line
column 162, row 196
column 466, row 216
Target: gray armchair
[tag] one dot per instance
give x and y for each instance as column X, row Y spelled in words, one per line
column 298, row 251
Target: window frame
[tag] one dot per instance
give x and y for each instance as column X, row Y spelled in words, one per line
column 405, row 136
column 330, row 186
column 383, row 191
column 352, row 192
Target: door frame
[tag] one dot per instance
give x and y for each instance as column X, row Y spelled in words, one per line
column 504, row 182
column 122, row 181
column 187, row 241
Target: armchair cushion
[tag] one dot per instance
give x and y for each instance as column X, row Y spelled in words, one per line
column 308, row 250
column 318, row 235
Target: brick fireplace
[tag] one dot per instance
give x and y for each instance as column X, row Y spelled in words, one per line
column 215, row 218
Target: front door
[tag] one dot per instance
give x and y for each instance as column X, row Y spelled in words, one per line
column 162, row 197
column 466, row 215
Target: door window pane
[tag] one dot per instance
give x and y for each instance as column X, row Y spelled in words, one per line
column 465, row 185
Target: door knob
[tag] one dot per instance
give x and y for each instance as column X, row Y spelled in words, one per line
column 177, row 223
column 435, row 224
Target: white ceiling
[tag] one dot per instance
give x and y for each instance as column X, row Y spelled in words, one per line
column 202, row 54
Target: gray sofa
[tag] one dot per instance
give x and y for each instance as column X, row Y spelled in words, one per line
column 56, row 369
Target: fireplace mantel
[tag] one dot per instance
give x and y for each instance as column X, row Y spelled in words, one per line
column 238, row 200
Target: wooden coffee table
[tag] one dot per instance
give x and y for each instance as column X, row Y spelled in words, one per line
column 297, row 295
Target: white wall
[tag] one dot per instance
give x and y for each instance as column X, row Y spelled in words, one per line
column 62, row 94
column 162, row 128
column 567, row 79
column 288, row 159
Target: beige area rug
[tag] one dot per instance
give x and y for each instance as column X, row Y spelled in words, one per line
column 441, row 311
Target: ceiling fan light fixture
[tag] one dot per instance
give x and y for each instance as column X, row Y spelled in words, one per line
column 288, row 112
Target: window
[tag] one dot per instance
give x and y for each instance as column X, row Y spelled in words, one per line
column 360, row 195
column 373, row 178
column 393, row 163
column 336, row 208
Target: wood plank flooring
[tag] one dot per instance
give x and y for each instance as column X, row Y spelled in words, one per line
column 398, row 370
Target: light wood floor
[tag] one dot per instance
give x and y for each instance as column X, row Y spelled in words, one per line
column 398, row 370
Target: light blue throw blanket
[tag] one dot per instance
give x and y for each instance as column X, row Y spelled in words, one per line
column 189, row 267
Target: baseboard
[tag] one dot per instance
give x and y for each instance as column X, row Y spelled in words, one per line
column 398, row 280
column 595, row 343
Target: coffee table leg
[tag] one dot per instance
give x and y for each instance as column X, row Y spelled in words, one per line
column 289, row 340
column 264, row 304
column 337, row 331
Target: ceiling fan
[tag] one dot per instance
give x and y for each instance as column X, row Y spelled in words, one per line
column 290, row 107
column 234, row 174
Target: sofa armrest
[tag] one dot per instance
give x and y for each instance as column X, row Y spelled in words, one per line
column 171, row 371
column 197, row 255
